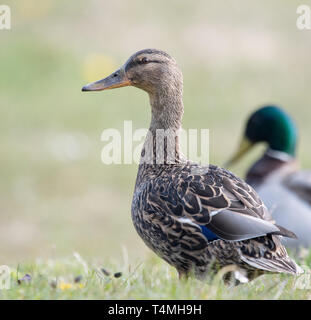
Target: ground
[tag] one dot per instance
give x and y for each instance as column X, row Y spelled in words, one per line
column 74, row 278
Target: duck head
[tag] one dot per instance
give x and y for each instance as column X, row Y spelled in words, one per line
column 150, row 70
column 157, row 73
column 270, row 125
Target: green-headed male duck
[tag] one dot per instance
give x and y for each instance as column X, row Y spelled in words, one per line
column 284, row 188
column 198, row 218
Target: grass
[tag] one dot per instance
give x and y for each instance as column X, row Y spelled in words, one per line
column 74, row 278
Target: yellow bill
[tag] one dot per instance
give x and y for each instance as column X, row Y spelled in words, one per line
column 244, row 146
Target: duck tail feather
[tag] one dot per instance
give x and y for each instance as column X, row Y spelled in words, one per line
column 275, row 265
column 285, row 233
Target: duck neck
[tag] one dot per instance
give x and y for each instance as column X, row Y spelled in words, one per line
column 166, row 110
column 162, row 145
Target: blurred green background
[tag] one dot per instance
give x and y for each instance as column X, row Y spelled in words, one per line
column 56, row 196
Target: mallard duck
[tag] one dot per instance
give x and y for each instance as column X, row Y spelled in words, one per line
column 198, row 218
column 284, row 188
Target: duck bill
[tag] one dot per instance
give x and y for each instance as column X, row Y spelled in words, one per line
column 244, row 147
column 117, row 79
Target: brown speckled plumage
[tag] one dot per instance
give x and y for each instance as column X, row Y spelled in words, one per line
column 175, row 205
column 164, row 194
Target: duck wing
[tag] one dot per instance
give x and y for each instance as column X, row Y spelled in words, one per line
column 214, row 198
column 229, row 225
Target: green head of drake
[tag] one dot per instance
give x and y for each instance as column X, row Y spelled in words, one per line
column 271, row 125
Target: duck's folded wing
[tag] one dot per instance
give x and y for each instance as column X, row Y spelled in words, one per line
column 299, row 182
column 225, row 204
column 230, row 225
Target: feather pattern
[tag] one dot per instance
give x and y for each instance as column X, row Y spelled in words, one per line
column 173, row 210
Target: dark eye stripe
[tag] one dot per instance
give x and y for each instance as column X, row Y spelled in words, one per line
column 134, row 63
column 155, row 61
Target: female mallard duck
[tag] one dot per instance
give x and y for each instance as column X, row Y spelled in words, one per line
column 284, row 189
column 197, row 218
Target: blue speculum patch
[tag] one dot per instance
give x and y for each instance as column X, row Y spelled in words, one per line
column 210, row 236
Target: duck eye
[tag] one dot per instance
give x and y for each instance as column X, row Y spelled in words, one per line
column 144, row 60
